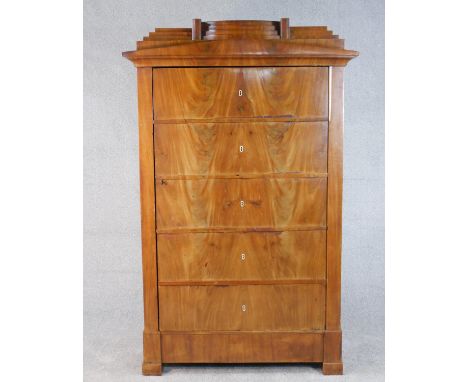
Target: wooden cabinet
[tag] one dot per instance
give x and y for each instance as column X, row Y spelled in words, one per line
column 241, row 129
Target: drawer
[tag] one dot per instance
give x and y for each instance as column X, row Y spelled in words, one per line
column 241, row 347
column 240, row 148
column 242, row 307
column 201, row 93
column 240, row 203
column 291, row 255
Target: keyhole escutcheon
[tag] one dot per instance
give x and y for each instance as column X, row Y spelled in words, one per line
column 240, row 93
column 241, row 148
column 244, row 307
column 242, row 204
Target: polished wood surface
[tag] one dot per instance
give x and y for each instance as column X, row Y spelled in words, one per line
column 332, row 362
column 293, row 255
column 151, row 343
column 285, row 30
column 241, row 149
column 182, row 94
column 242, row 347
column 152, row 353
column 196, row 29
column 234, row 43
column 177, row 55
column 332, row 368
column 240, row 203
column 332, row 353
column 242, row 307
column 230, row 29
column 241, row 53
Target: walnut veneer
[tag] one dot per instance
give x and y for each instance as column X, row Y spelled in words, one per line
column 241, row 139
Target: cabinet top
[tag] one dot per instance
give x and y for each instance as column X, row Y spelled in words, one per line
column 241, row 43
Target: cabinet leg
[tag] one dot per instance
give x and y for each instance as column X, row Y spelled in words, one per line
column 332, row 362
column 332, row 368
column 151, row 368
column 151, row 353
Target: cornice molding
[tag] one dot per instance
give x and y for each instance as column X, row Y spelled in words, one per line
column 245, row 43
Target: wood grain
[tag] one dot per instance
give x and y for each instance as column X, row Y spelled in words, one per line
column 218, row 203
column 267, row 307
column 242, row 347
column 334, row 201
column 300, row 50
column 196, row 29
column 240, row 149
column 190, row 93
column 151, row 354
column 332, row 352
column 220, row 229
column 332, row 362
column 231, row 282
column 151, row 344
column 232, row 29
column 241, row 192
column 295, row 255
column 332, row 368
column 284, row 28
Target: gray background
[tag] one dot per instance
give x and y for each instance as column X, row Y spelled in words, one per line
column 113, row 311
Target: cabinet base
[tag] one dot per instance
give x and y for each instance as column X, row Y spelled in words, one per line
column 151, row 368
column 332, row 368
column 335, row 368
column 242, row 347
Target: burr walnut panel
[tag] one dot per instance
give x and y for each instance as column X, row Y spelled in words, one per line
column 291, row 255
column 206, row 93
column 237, row 149
column 224, row 203
column 242, row 307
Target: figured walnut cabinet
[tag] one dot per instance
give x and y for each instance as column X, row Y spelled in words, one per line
column 241, row 135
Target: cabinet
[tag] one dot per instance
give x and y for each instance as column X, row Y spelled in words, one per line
column 241, row 135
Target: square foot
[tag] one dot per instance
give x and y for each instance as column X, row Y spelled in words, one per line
column 151, row 368
column 332, row 368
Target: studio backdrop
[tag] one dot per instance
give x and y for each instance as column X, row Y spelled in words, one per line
column 113, row 304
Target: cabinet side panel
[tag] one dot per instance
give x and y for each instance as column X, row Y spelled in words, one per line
column 334, row 200
column 147, row 198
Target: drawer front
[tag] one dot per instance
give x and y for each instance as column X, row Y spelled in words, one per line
column 245, row 307
column 242, row 347
column 194, row 93
column 227, row 203
column 240, row 148
column 291, row 255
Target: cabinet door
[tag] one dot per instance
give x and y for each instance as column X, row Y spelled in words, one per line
column 240, row 149
column 241, row 203
column 182, row 94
